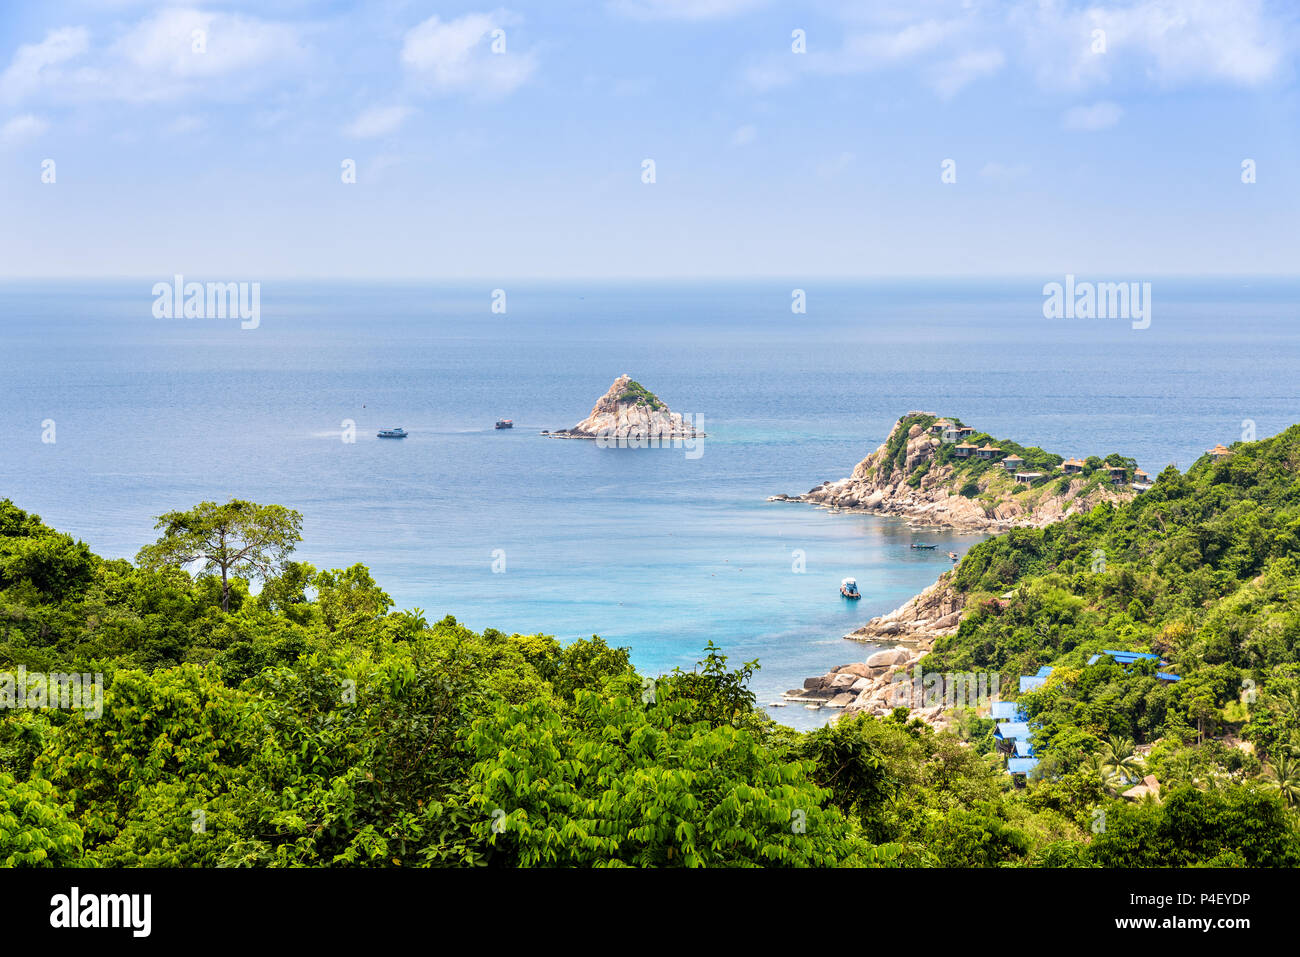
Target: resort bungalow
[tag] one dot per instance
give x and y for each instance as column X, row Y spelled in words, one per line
column 1118, row 474
column 1219, row 452
column 1128, row 657
column 1072, row 466
column 1007, row 711
column 1012, row 462
column 1141, row 477
column 964, row 450
column 964, row 430
column 1034, row 682
column 987, row 452
column 1028, row 478
column 940, row 426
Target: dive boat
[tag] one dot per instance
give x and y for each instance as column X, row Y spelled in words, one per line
column 505, row 424
column 849, row 589
column 392, row 433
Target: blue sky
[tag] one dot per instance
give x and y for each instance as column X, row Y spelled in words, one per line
column 226, row 161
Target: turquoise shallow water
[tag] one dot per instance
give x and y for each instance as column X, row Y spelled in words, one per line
column 649, row 548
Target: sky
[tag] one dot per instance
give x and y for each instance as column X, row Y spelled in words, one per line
column 788, row 139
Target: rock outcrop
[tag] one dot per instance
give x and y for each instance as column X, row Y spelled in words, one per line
column 628, row 412
column 874, row 684
column 909, row 477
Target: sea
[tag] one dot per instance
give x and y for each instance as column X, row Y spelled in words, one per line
column 112, row 416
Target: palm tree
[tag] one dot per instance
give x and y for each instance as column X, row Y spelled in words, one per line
column 1283, row 773
column 1120, row 760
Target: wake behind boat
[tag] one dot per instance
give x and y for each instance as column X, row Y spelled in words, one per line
column 392, row 433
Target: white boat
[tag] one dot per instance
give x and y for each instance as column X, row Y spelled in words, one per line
column 849, row 589
column 392, row 433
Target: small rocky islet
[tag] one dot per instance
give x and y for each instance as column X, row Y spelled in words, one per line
column 629, row 411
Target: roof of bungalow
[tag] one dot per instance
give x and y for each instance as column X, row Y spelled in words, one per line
column 1006, row 711
column 1079, row 462
column 1013, row 458
column 967, row 445
column 1218, row 450
column 1139, row 472
column 1021, row 765
column 1017, row 730
column 1023, row 749
column 1128, row 657
column 1033, row 682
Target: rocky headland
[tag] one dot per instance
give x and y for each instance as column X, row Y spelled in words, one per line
column 933, row 471
column 938, row 472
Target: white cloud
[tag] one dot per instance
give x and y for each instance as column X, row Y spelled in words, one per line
column 37, row 64
column 684, row 9
column 831, row 167
column 950, row 77
column 1098, row 116
column 1003, row 172
column 744, row 135
column 1148, row 43
column 171, row 54
column 455, row 56
column 20, row 129
column 378, row 121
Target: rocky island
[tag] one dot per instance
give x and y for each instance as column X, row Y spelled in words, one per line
column 631, row 412
column 937, row 471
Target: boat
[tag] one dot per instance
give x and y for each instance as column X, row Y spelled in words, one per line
column 505, row 424
column 392, row 433
column 849, row 589
column 922, row 545
column 953, row 556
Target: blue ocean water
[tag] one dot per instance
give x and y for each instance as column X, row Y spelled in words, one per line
column 655, row 549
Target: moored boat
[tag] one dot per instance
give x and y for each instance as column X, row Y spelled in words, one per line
column 849, row 589
column 392, row 433
column 505, row 424
column 922, row 545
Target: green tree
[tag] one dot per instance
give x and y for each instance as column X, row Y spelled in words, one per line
column 237, row 537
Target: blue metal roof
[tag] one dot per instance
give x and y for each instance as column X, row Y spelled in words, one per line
column 1023, row 750
column 1007, row 711
column 1030, row 682
column 1134, row 655
column 1044, row 671
column 1013, row 729
column 1093, row 660
column 1166, row 676
column 1021, row 765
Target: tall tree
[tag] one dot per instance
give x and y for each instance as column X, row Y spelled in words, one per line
column 237, row 537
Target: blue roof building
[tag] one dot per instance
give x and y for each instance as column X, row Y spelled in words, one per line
column 1031, row 683
column 1007, row 711
column 1021, row 765
column 1129, row 657
column 1012, row 730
